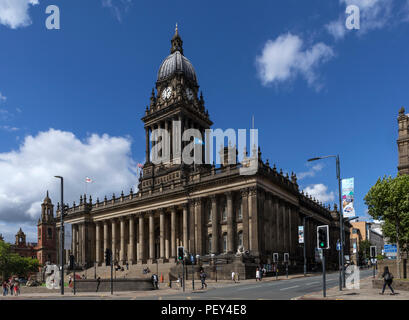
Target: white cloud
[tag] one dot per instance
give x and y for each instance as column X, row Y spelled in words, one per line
column 374, row 14
column 15, row 13
column 28, row 172
column 118, row 7
column 2, row 98
column 311, row 173
column 320, row 192
column 9, row 128
column 285, row 58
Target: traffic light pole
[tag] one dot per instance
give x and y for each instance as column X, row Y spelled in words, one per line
column 112, row 281
column 341, row 222
column 183, row 274
column 324, row 286
column 305, row 249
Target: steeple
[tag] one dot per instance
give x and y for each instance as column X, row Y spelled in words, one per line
column 177, row 43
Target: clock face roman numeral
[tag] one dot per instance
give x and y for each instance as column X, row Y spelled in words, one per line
column 166, row 93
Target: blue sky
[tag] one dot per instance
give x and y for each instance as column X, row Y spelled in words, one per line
column 71, row 99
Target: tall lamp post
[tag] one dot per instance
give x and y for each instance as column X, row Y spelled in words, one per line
column 62, row 233
column 341, row 220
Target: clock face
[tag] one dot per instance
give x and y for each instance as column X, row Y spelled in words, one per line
column 166, row 93
column 189, row 93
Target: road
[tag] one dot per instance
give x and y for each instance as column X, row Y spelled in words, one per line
column 271, row 290
column 264, row 290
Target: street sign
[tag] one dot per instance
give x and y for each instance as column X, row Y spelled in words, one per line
column 338, row 246
column 390, row 250
column 300, row 234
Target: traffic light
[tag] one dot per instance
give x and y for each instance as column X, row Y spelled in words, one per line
column 373, row 251
column 322, row 237
column 275, row 257
column 72, row 261
column 286, row 257
column 108, row 257
column 181, row 253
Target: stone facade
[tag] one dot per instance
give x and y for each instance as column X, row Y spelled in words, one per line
column 206, row 209
column 403, row 142
column 45, row 249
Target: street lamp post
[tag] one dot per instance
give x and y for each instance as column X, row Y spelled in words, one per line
column 62, row 233
column 341, row 220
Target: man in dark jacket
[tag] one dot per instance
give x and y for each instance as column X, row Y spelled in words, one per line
column 387, row 280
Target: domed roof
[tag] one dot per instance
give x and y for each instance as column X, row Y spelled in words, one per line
column 174, row 64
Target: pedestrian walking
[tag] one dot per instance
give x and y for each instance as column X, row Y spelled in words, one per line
column 16, row 289
column 127, row 266
column 154, row 279
column 258, row 276
column 233, row 276
column 11, row 286
column 387, row 280
column 203, row 276
column 5, row 288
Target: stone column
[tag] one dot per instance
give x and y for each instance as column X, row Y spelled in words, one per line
column 199, row 226
column 75, row 241
column 98, row 257
column 284, row 226
column 268, row 225
column 245, row 214
column 230, row 235
column 113, row 245
column 173, row 232
column 106, row 236
column 122, row 244
column 141, row 253
column 185, row 226
column 167, row 236
column 279, row 225
column 162, row 234
column 290, row 230
column 147, row 145
column 254, row 243
column 192, row 227
column 215, row 233
column 131, row 257
column 274, row 224
column 151, row 237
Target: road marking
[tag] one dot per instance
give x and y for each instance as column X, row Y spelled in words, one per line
column 312, row 282
column 289, row 288
column 189, row 298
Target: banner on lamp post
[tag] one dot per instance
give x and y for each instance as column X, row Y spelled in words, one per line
column 300, row 234
column 348, row 198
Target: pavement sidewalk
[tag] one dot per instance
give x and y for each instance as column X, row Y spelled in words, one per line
column 365, row 292
column 163, row 289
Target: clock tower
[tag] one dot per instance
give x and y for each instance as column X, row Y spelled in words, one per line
column 175, row 106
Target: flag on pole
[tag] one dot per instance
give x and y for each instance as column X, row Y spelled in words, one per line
column 140, row 165
column 88, row 180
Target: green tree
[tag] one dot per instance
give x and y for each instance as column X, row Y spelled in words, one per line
column 388, row 200
column 364, row 250
column 13, row 264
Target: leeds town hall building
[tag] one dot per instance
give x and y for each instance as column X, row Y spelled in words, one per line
column 212, row 211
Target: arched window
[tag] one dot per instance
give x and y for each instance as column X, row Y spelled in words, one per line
column 225, row 242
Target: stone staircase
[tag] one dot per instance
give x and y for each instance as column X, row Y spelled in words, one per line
column 135, row 271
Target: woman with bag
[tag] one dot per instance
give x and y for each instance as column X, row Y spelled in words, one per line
column 387, row 280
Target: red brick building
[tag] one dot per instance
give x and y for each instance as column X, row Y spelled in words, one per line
column 45, row 249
